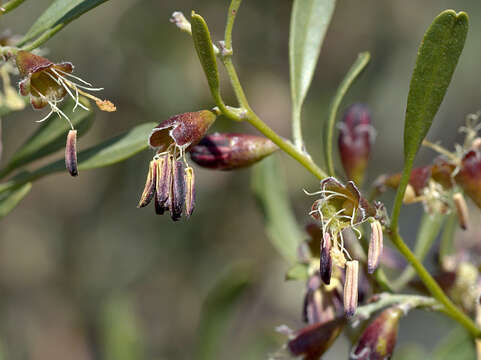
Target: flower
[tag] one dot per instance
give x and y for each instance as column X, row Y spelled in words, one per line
column 356, row 136
column 339, row 208
column 47, row 84
column 230, row 151
column 379, row 338
column 170, row 180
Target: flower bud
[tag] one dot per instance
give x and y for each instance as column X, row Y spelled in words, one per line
column 326, row 259
column 71, row 153
column 351, row 287
column 462, row 210
column 469, row 175
column 355, row 138
column 231, row 151
column 375, row 247
column 379, row 338
column 183, row 130
column 314, row 340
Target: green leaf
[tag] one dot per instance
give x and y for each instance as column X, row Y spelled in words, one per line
column 218, row 309
column 458, row 344
column 298, row 272
column 57, row 15
column 355, row 70
column 437, row 58
column 270, row 190
column 428, row 232
column 51, row 135
column 112, row 151
column 309, row 22
column 205, row 52
column 122, row 338
column 11, row 199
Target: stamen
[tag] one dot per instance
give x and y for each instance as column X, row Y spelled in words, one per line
column 75, row 77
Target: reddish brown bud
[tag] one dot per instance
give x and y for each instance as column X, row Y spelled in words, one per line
column 177, row 196
column 355, row 138
column 314, row 340
column 469, row 175
column 375, row 247
column 71, row 153
column 231, row 151
column 149, row 189
column 326, row 259
column 189, row 191
column 351, row 287
column 418, row 180
column 379, row 338
column 183, row 130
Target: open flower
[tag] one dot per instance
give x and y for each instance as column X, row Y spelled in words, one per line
column 171, row 181
column 338, row 208
column 47, row 84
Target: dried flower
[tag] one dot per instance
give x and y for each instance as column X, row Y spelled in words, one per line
column 351, row 287
column 47, row 84
column 355, row 139
column 379, row 338
column 231, row 151
column 462, row 210
column 326, row 259
column 170, row 179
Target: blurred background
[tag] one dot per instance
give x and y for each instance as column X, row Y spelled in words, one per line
column 85, row 275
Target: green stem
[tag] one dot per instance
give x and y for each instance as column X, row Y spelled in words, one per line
column 12, row 4
column 356, row 68
column 449, row 308
column 233, row 8
column 43, row 38
column 236, row 85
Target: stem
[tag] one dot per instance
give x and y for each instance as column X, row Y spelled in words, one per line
column 12, row 4
column 43, row 38
column 233, row 8
column 450, row 309
column 297, row 127
column 236, row 85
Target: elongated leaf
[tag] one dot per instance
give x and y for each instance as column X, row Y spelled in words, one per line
column 51, row 136
column 309, row 22
column 205, row 52
column 11, row 199
column 112, row 151
column 219, row 307
column 57, row 15
column 270, row 190
column 437, row 58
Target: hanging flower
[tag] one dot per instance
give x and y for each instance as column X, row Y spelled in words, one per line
column 47, row 84
column 170, row 180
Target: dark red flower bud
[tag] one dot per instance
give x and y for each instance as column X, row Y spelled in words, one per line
column 355, row 138
column 231, row 151
column 314, row 340
column 418, row 179
column 469, row 175
column 177, row 196
column 71, row 153
column 183, row 130
column 379, row 338
column 326, row 259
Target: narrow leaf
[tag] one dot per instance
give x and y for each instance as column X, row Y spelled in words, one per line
column 205, row 51
column 355, row 70
column 51, row 135
column 57, row 15
column 270, row 190
column 11, row 199
column 218, row 309
column 437, row 58
column 112, row 151
column 309, row 22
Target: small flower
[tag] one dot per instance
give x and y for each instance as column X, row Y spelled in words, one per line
column 314, row 340
column 170, row 180
column 355, row 139
column 47, row 84
column 231, row 151
column 379, row 338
